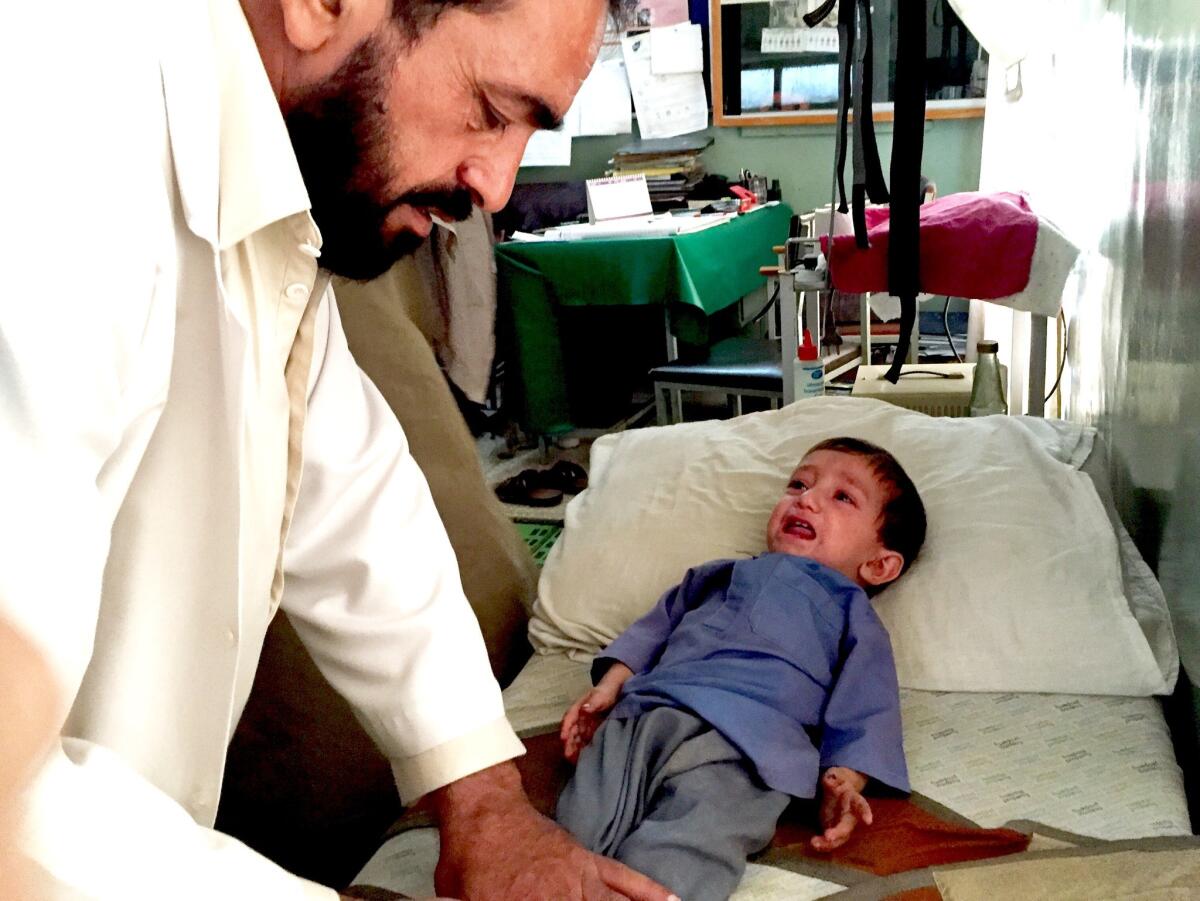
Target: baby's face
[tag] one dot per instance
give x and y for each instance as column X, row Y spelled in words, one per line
column 830, row 513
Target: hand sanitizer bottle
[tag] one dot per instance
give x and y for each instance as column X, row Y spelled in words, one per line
column 808, row 372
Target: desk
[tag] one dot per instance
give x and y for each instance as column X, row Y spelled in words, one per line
column 692, row 276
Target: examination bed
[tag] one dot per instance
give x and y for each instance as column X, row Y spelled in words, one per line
column 1030, row 638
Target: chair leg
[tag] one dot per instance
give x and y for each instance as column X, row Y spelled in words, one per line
column 662, row 406
column 676, row 405
column 734, row 402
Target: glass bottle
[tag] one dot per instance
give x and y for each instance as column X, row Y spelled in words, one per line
column 987, row 388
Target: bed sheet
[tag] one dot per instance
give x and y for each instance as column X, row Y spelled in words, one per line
column 1089, row 765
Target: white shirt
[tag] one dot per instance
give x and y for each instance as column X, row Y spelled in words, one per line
column 163, row 294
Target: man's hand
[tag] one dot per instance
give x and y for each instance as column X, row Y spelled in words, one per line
column 27, row 730
column 580, row 722
column 842, row 807
column 496, row 847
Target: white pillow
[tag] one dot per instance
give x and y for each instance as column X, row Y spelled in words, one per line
column 1018, row 586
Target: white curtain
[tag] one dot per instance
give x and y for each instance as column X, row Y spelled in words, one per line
column 1099, row 122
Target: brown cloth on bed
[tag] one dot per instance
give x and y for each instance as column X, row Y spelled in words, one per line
column 903, row 836
column 926, row 893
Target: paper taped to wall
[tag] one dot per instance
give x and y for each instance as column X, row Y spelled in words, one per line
column 676, row 49
column 667, row 105
column 603, row 102
column 548, row 148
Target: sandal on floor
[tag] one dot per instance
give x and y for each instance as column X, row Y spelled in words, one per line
column 570, row 477
column 529, row 488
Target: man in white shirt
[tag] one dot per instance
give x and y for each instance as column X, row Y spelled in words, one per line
column 184, row 432
column 27, row 730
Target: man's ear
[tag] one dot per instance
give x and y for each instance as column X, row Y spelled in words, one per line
column 310, row 24
column 881, row 569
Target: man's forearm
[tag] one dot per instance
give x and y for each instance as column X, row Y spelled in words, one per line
column 461, row 804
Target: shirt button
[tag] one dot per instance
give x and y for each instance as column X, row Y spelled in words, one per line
column 231, row 637
column 297, row 291
column 311, row 249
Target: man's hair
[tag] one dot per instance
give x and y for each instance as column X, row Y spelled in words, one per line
column 902, row 519
column 415, row 17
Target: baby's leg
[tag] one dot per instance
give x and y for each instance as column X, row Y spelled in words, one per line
column 617, row 774
column 703, row 822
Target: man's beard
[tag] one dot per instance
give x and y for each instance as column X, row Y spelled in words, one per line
column 339, row 133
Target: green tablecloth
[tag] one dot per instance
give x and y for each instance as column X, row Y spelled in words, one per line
column 696, row 274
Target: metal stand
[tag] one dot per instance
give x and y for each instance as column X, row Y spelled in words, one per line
column 1035, row 404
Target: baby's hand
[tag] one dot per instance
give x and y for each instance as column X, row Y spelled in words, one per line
column 842, row 807
column 584, row 717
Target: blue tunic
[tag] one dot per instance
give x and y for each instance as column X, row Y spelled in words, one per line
column 781, row 655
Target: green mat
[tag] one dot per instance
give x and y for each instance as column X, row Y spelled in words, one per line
column 540, row 536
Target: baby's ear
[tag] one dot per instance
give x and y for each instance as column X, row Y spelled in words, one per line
column 882, row 568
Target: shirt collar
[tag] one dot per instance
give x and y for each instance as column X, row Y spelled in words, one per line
column 259, row 178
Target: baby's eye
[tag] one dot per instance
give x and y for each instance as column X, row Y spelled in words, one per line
column 797, row 487
column 844, row 497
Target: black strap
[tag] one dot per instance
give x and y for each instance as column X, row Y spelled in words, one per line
column 868, row 172
column 818, row 15
column 859, row 216
column 845, row 29
column 908, row 317
column 876, row 187
column 858, row 197
column 908, row 136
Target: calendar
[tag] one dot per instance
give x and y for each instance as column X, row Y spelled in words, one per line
column 799, row 40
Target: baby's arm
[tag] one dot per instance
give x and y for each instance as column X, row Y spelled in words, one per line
column 842, row 807
column 861, row 733
column 584, row 717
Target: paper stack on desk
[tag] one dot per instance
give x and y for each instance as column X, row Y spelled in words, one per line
column 672, row 166
column 663, row 225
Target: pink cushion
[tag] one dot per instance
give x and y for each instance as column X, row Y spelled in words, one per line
column 972, row 245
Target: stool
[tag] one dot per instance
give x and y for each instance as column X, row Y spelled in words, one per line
column 740, row 367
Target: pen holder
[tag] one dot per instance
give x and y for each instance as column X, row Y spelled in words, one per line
column 758, row 187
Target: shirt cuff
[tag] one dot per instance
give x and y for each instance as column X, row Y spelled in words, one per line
column 450, row 761
column 634, row 650
column 875, row 772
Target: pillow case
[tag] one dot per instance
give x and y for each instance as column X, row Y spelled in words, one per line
column 1018, row 586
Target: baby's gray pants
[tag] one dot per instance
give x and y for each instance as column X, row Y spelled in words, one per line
column 666, row 795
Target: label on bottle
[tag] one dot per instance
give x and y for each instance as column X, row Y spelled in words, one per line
column 809, row 378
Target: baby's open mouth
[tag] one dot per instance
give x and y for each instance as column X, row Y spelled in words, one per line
column 801, row 528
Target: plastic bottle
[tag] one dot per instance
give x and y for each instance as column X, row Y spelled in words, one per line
column 987, row 388
column 808, row 372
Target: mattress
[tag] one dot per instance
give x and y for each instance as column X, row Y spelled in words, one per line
column 1088, row 764
column 1092, row 765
